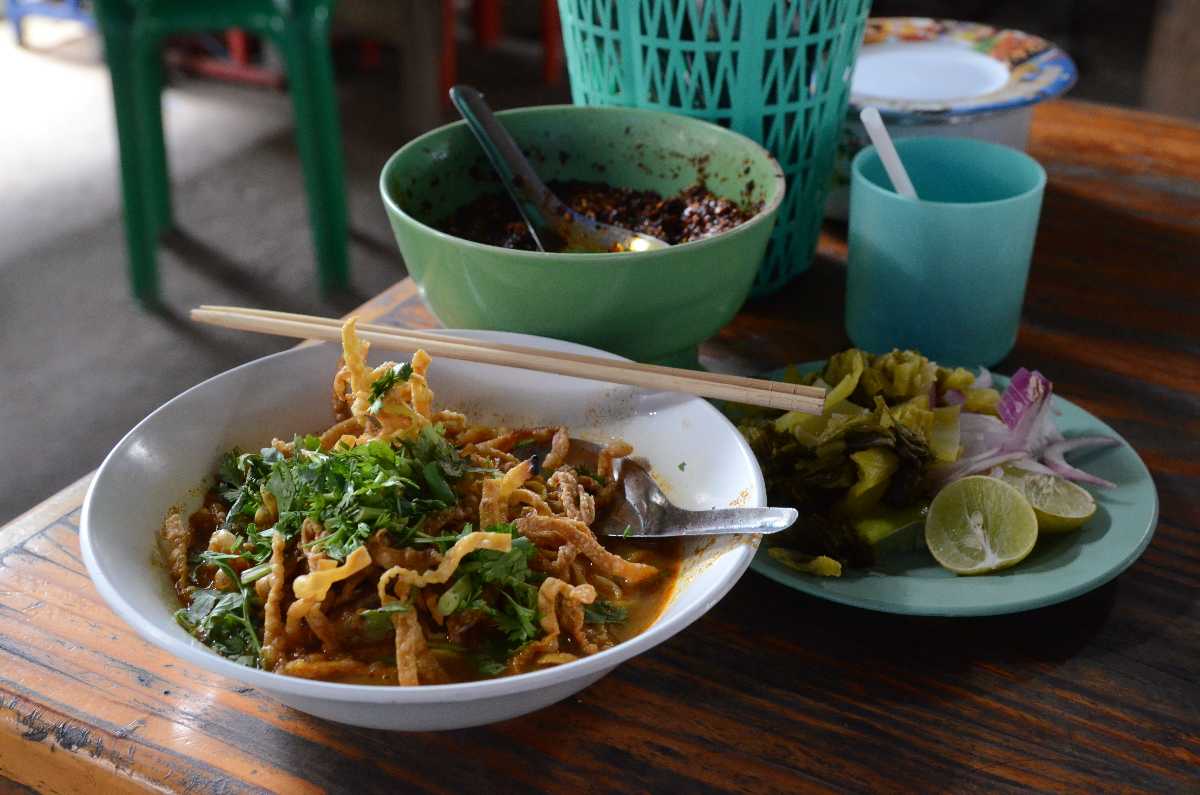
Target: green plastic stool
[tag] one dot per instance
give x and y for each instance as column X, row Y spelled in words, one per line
column 133, row 33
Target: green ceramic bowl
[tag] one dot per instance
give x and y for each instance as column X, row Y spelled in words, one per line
column 649, row 306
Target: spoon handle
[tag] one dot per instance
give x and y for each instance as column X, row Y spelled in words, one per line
column 523, row 184
column 728, row 521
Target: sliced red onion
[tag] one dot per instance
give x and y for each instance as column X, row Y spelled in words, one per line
column 1024, row 433
column 1045, row 431
column 1029, row 465
column 1027, row 409
column 1054, row 458
column 979, row 433
column 977, row 463
column 1026, row 392
column 984, row 379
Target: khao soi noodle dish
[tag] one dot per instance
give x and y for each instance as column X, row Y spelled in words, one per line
column 406, row 545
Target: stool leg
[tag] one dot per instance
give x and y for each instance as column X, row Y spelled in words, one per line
column 489, row 22
column 552, row 44
column 13, row 12
column 149, row 68
column 448, row 65
column 305, row 45
column 143, row 271
column 237, row 41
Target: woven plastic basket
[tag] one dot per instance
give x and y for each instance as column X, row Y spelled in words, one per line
column 777, row 71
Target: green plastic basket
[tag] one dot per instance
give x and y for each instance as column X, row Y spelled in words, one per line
column 777, row 71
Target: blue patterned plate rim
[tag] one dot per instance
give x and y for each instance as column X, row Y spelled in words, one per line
column 1038, row 69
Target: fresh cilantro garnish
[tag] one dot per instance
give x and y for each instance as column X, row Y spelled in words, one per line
column 604, row 613
column 490, row 666
column 504, row 567
column 352, row 492
column 436, row 481
column 240, row 478
column 502, row 586
column 431, row 445
column 518, row 622
column 344, row 538
column 491, row 657
column 682, row 466
column 222, row 620
column 588, row 472
column 379, row 620
column 282, row 485
column 229, row 474
column 384, row 384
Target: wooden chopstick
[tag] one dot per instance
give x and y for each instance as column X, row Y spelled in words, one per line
column 735, row 380
column 772, row 394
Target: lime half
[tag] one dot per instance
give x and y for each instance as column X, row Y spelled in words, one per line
column 1059, row 504
column 980, row 524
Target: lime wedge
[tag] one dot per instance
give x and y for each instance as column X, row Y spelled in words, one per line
column 1059, row 504
column 980, row 524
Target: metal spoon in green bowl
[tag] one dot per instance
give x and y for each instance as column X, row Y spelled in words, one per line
column 543, row 212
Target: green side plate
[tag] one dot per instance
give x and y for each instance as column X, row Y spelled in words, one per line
column 1060, row 567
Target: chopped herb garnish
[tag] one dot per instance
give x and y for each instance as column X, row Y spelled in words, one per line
column 255, row 573
column 604, row 613
column 491, row 657
column 627, row 532
column 682, row 466
column 490, row 666
column 352, row 492
column 588, row 472
column 379, row 620
column 399, row 374
column 512, row 585
column 221, row 619
column 516, row 620
column 282, row 485
column 431, row 445
column 457, row 595
column 437, row 482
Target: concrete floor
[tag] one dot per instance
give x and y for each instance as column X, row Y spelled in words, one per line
column 58, row 144
column 80, row 363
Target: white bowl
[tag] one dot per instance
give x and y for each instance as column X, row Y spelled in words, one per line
column 162, row 461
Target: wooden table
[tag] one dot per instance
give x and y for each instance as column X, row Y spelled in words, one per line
column 772, row 690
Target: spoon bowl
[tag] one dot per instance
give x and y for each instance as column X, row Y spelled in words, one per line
column 641, row 510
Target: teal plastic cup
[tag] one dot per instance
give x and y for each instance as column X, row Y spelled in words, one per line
column 944, row 273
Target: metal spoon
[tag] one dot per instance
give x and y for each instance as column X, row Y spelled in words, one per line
column 643, row 511
column 545, row 215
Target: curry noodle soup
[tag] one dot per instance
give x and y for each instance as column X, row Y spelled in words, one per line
column 404, row 545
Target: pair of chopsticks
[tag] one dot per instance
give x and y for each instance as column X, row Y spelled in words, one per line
column 753, row 391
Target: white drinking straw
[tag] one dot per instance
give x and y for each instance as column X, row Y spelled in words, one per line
column 887, row 152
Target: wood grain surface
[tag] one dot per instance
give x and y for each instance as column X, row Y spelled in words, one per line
column 772, row 690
